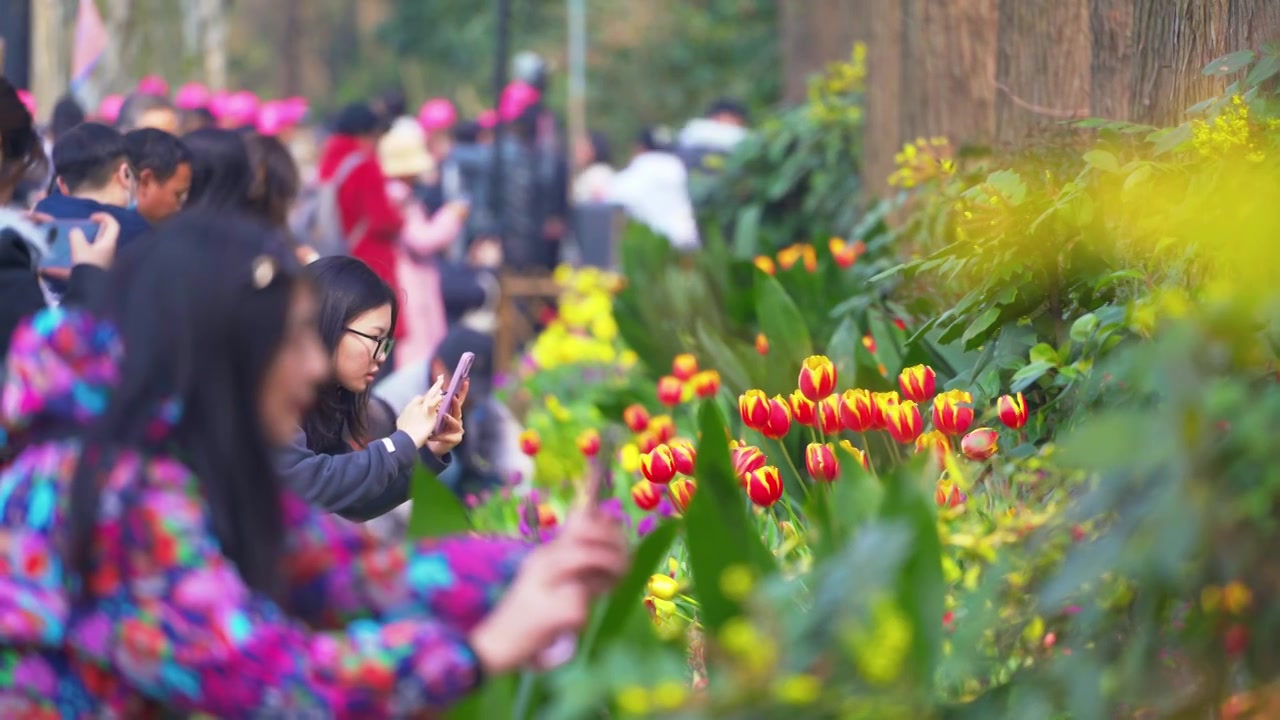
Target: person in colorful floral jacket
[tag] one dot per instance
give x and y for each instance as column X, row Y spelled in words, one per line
column 151, row 564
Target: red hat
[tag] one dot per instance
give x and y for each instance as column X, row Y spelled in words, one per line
column 437, row 114
column 241, row 108
column 487, row 119
column 109, row 108
column 193, row 96
column 516, row 98
column 29, row 100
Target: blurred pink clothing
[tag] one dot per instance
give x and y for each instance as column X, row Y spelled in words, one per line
column 422, row 240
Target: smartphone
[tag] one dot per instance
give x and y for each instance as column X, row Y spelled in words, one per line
column 460, row 374
column 59, row 240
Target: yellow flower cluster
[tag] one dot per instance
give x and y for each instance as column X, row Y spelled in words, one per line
column 1228, row 133
column 584, row 331
column 834, row 96
column 921, row 161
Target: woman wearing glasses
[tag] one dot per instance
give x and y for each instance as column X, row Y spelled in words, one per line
column 353, row 456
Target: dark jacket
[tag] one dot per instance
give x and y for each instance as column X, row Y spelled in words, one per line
column 21, row 294
column 65, row 207
column 360, row 484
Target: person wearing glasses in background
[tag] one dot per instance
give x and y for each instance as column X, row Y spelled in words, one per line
column 353, row 456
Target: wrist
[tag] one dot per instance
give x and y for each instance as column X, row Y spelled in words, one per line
column 490, row 651
column 419, row 438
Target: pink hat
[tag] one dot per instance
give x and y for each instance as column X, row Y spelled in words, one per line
column 273, row 117
column 109, row 108
column 241, row 108
column 29, row 100
column 295, row 108
column 437, row 114
column 193, row 96
column 153, row 85
column 218, row 103
column 487, row 119
column 516, row 98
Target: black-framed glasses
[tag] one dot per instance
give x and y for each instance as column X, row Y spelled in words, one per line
column 381, row 345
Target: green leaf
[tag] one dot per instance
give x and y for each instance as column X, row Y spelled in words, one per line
column 1102, row 160
column 843, row 351
column 746, row 232
column 1136, row 178
column 785, row 327
column 497, row 699
column 719, row 531
column 1266, row 68
column 1045, row 353
column 1116, row 277
column 922, row 590
column 733, row 370
column 1229, row 63
column 979, row 327
column 436, row 510
column 1024, row 378
column 1167, row 141
column 1083, row 328
column 888, row 342
column 627, row 598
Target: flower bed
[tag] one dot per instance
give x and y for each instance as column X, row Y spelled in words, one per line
column 1013, row 457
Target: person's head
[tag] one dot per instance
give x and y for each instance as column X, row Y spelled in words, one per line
column 222, row 360
column 197, row 119
column 358, row 121
column 402, row 152
column 221, row 173
column 90, row 161
column 466, row 132
column 21, row 151
column 276, row 179
column 67, row 114
column 357, row 318
column 654, row 139
column 162, row 165
column 728, row 111
column 591, row 149
column 392, row 105
column 144, row 110
column 459, row 340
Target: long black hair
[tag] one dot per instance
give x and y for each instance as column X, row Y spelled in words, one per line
column 345, row 288
column 221, row 173
column 200, row 331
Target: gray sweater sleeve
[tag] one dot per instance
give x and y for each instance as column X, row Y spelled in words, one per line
column 358, row 485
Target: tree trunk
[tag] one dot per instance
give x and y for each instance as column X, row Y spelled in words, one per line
column 213, row 23
column 949, row 69
column 1043, row 65
column 1111, row 65
column 882, row 134
column 814, row 33
column 49, row 61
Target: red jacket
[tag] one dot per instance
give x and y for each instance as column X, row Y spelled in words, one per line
column 363, row 203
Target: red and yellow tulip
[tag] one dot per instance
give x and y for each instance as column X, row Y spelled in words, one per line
column 547, row 516
column 918, row 383
column 762, row 344
column 936, row 442
column 778, row 423
column 662, row 427
column 904, row 422
column 647, row 441
column 766, row 264
column 682, row 490
column 858, row 455
column 803, row 410
column 980, row 444
column 670, row 390
column 817, row 377
column 753, row 406
column 684, row 366
column 857, row 410
column 659, row 465
column 685, row 456
column 746, row 460
column 589, row 442
column 953, row 412
column 821, row 462
column 764, row 486
column 881, row 402
column 844, row 253
column 530, row 443
column 646, row 495
column 948, row 494
column 1012, row 410
column 788, row 256
column 829, row 414
column 705, row 383
column 636, row 417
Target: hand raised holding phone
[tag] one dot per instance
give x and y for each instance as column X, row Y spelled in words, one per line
column 99, row 251
column 418, row 419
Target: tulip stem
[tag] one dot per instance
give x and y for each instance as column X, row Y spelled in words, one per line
column 787, row 454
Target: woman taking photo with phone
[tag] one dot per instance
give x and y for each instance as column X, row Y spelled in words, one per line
column 353, row 456
column 159, row 567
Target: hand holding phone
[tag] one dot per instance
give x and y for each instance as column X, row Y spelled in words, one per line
column 460, row 375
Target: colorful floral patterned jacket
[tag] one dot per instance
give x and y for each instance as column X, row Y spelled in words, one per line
column 373, row 630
